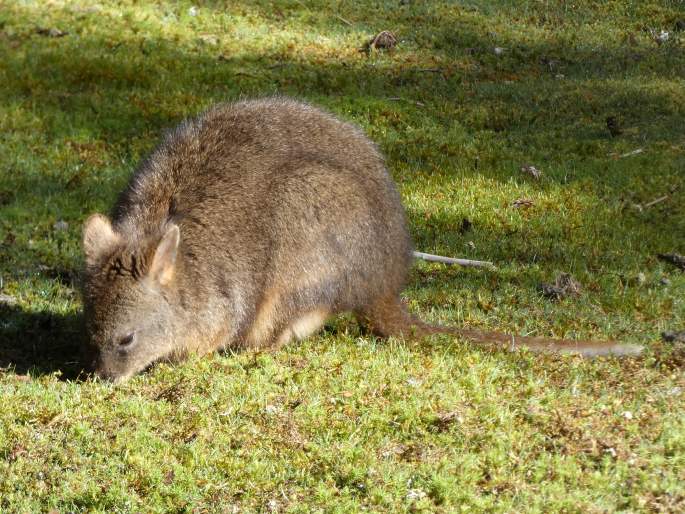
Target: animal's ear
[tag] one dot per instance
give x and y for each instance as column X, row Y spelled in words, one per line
column 164, row 261
column 98, row 237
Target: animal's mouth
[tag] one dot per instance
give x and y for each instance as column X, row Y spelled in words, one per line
column 105, row 374
column 113, row 378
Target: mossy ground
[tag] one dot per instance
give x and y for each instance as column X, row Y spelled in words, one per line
column 343, row 422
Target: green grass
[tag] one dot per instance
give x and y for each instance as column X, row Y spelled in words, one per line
column 343, row 422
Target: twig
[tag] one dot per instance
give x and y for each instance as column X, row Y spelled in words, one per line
column 450, row 260
column 655, row 201
column 348, row 22
column 641, row 207
column 634, row 152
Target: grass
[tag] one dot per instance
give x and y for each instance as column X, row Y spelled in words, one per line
column 343, row 422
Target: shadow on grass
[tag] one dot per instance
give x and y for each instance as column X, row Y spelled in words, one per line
column 40, row 343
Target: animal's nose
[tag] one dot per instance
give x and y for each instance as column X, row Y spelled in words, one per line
column 104, row 373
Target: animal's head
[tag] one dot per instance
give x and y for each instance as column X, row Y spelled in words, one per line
column 128, row 294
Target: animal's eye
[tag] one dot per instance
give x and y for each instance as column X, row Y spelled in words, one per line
column 127, row 340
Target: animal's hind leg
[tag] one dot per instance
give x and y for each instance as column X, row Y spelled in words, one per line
column 388, row 316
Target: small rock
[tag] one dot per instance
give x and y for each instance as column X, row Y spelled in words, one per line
column 664, row 281
column 193, row 11
column 61, row 226
column 498, row 50
column 628, row 415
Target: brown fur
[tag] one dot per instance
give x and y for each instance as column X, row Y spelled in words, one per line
column 285, row 215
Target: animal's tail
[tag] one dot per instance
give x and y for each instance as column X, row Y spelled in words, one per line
column 389, row 317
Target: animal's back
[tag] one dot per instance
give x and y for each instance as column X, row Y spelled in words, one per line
column 283, row 210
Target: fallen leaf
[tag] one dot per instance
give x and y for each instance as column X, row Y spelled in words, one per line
column 564, row 285
column 531, row 170
column 522, row 202
column 443, row 421
column 385, row 40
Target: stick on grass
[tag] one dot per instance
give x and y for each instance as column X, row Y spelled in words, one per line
column 451, row 260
